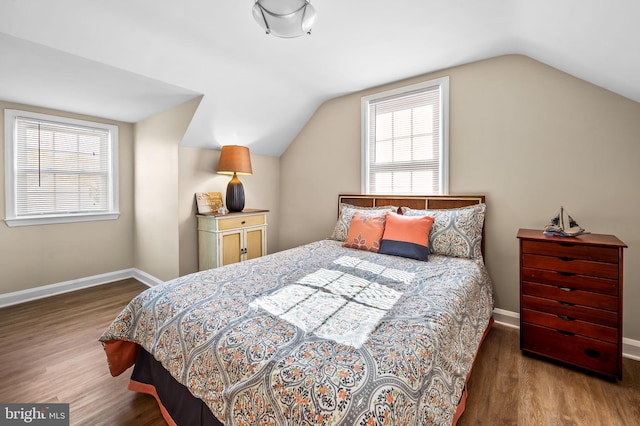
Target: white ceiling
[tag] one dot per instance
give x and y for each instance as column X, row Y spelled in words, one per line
column 127, row 60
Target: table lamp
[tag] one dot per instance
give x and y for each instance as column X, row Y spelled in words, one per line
column 235, row 160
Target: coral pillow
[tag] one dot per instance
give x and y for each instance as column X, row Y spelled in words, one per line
column 346, row 214
column 406, row 236
column 365, row 232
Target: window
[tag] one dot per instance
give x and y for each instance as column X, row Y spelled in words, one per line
column 59, row 169
column 405, row 140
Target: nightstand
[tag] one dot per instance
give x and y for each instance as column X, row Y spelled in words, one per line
column 231, row 238
column 571, row 299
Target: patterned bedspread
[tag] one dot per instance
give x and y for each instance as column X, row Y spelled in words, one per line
column 318, row 335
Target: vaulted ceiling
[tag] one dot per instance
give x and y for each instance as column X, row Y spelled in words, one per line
column 127, row 60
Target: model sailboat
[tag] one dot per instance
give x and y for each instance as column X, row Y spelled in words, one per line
column 557, row 226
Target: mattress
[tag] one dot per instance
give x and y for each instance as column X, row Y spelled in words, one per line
column 316, row 335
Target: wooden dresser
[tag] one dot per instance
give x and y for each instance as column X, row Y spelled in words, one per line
column 231, row 238
column 571, row 299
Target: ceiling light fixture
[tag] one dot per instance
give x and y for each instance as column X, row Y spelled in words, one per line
column 285, row 18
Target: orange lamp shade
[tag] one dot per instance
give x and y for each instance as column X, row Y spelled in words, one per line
column 234, row 159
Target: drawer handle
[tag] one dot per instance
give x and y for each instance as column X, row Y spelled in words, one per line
column 566, row 274
column 566, row 289
column 592, row 353
column 566, row 333
column 566, row 303
column 243, row 222
column 566, row 259
column 566, row 244
column 566, row 318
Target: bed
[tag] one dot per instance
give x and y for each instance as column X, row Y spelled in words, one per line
column 329, row 333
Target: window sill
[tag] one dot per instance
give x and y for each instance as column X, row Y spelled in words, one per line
column 49, row 220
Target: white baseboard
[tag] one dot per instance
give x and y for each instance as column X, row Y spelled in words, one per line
column 146, row 279
column 630, row 347
column 508, row 318
column 27, row 295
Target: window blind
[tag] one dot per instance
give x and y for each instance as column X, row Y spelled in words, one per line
column 404, row 142
column 61, row 169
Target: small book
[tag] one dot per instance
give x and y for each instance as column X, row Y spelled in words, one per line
column 208, row 202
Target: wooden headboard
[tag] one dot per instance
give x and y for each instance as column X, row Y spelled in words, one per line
column 434, row 202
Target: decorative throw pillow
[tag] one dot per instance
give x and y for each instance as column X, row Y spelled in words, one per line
column 406, row 236
column 346, row 214
column 455, row 232
column 365, row 232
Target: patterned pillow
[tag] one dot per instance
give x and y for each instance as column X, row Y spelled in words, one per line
column 365, row 232
column 346, row 214
column 455, row 232
column 406, row 236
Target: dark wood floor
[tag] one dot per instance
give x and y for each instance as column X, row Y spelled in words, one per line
column 49, row 352
column 508, row 388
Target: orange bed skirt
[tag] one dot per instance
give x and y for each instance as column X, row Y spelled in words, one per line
column 120, row 355
column 151, row 390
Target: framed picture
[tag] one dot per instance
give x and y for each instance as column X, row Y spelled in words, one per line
column 208, row 202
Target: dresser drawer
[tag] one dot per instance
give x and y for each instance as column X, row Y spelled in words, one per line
column 570, row 265
column 240, row 222
column 577, row 350
column 571, row 280
column 574, row 251
column 578, row 312
column 570, row 325
column 570, row 295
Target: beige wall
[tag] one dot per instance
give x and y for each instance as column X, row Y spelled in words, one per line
column 528, row 136
column 166, row 178
column 33, row 256
column 157, row 196
column 197, row 174
column 322, row 162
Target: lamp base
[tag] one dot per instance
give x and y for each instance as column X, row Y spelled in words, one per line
column 235, row 195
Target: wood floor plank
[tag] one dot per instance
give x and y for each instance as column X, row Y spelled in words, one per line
column 509, row 388
column 49, row 352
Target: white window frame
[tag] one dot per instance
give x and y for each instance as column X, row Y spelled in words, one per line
column 443, row 85
column 10, row 139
